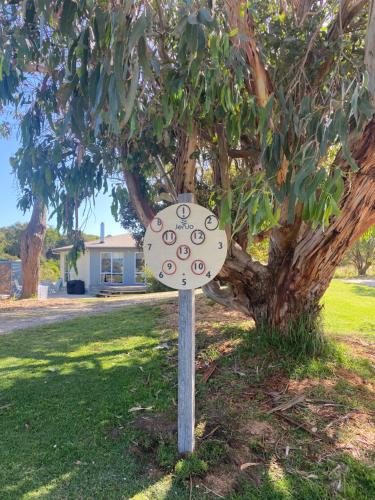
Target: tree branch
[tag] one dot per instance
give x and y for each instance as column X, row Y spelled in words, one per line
column 348, row 10
column 239, row 19
column 185, row 162
column 226, row 297
column 141, row 206
column 370, row 49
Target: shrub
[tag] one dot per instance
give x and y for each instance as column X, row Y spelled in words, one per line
column 154, row 285
column 49, row 270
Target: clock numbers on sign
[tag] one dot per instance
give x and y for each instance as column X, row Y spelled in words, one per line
column 156, row 224
column 211, row 223
column 197, row 237
column 183, row 211
column 198, row 266
column 169, row 267
column 184, row 247
column 169, row 237
column 183, row 252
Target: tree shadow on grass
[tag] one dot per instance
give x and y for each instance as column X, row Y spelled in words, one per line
column 71, row 431
column 68, row 432
column 363, row 290
column 66, row 392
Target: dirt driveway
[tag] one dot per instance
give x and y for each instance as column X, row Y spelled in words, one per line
column 18, row 314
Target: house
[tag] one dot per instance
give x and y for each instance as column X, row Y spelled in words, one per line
column 107, row 261
column 10, row 277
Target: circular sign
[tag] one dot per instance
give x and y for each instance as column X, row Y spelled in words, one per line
column 184, row 247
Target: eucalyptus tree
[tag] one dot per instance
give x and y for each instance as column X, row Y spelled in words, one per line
column 269, row 104
column 31, row 247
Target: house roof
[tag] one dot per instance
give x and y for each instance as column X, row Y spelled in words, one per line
column 119, row 241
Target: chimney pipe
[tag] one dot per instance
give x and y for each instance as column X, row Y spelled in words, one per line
column 102, row 232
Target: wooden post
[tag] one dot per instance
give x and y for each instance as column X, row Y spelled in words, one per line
column 186, row 362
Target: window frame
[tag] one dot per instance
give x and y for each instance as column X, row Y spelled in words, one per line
column 111, row 273
column 139, row 273
column 67, row 270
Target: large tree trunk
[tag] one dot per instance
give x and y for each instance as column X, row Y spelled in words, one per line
column 31, row 249
column 302, row 261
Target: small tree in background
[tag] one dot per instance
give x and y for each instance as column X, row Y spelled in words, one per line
column 362, row 254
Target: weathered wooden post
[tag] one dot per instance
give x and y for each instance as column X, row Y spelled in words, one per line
column 185, row 249
column 186, row 362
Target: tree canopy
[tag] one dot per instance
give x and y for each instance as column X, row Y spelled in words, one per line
column 264, row 109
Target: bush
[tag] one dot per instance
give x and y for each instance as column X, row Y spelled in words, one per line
column 154, row 285
column 49, row 270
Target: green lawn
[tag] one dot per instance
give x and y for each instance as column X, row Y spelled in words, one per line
column 70, row 388
column 350, row 309
column 69, row 428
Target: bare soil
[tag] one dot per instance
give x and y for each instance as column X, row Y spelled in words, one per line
column 235, row 410
column 30, row 313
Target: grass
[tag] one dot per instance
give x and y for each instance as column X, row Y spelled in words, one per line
column 350, row 309
column 71, row 425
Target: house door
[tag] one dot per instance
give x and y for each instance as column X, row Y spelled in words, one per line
column 112, row 267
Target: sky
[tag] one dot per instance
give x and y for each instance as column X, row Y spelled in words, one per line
column 9, row 195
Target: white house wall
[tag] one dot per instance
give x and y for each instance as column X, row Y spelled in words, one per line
column 83, row 268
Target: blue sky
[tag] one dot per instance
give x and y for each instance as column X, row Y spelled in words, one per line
column 9, row 195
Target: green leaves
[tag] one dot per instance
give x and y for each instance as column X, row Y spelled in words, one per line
column 66, row 21
column 137, row 32
column 226, row 210
column 130, row 97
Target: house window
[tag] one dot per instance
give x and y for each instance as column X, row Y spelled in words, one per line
column 111, row 267
column 66, row 269
column 139, row 268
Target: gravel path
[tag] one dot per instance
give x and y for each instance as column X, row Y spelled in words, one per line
column 362, row 281
column 19, row 314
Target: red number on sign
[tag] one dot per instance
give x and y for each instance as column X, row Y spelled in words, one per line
column 211, row 223
column 169, row 237
column 197, row 237
column 156, row 225
column 198, row 267
column 169, row 267
column 183, row 252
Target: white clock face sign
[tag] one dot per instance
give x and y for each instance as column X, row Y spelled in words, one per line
column 184, row 247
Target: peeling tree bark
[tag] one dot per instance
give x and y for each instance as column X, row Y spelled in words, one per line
column 185, row 167
column 31, row 249
column 140, row 204
column 302, row 261
column 239, row 19
column 370, row 49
